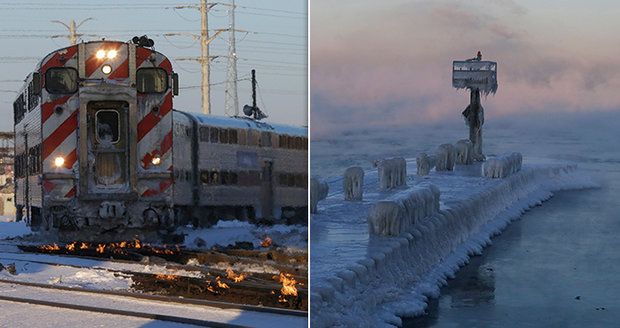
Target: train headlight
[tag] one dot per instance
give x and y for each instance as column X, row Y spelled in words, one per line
column 112, row 54
column 59, row 161
column 100, row 54
column 156, row 160
column 106, row 69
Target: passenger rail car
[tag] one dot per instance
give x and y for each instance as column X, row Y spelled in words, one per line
column 99, row 148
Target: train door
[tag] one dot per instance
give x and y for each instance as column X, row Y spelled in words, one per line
column 267, row 190
column 108, row 162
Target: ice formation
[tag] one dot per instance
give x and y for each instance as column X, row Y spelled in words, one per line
column 502, row 166
column 424, row 164
column 392, row 172
column 399, row 214
column 446, row 156
column 464, row 152
column 318, row 191
column 353, row 183
column 399, row 273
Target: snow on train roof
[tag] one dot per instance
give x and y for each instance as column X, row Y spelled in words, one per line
column 245, row 123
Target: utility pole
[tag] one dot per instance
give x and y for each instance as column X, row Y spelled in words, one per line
column 204, row 56
column 231, row 98
column 72, row 27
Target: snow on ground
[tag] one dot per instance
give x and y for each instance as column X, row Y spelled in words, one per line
column 65, row 276
column 19, row 315
column 361, row 279
column 227, row 233
column 10, row 229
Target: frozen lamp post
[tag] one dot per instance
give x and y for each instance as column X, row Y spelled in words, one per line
column 478, row 76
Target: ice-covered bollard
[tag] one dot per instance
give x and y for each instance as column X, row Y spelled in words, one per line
column 394, row 216
column 353, row 183
column 318, row 191
column 464, row 152
column 425, row 163
column 392, row 172
column 502, row 166
column 446, row 155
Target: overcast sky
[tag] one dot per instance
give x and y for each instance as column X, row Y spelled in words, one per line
column 276, row 46
column 389, row 62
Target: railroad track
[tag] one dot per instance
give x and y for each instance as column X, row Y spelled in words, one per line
column 135, row 314
column 160, row 298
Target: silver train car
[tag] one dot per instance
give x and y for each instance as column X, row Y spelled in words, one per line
column 99, row 148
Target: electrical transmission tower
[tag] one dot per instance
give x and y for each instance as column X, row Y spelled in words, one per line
column 231, row 100
column 72, row 27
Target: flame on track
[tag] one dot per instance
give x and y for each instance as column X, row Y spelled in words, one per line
column 288, row 286
column 122, row 247
column 230, row 274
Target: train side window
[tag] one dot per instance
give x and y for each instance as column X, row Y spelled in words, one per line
column 204, row 134
column 232, row 136
column 265, row 139
column 214, row 134
column 225, row 176
column 151, row 80
column 204, row 177
column 61, row 80
column 223, row 135
column 242, row 137
column 299, row 180
column 214, row 178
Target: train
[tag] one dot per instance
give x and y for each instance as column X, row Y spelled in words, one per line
column 99, row 148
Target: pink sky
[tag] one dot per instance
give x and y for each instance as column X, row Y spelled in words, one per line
column 389, row 62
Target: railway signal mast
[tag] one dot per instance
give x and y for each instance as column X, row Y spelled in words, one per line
column 477, row 76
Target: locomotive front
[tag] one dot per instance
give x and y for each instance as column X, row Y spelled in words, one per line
column 106, row 138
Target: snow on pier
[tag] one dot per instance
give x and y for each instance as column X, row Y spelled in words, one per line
column 361, row 278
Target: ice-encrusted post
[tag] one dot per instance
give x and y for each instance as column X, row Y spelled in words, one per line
column 318, row 191
column 353, row 183
column 424, row 163
column 464, row 152
column 446, row 157
column 502, row 166
column 397, row 215
column 392, row 172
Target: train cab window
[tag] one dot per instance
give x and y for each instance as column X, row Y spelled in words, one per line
column 61, row 80
column 151, row 80
column 107, row 123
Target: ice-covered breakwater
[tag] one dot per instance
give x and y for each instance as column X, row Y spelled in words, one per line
column 364, row 279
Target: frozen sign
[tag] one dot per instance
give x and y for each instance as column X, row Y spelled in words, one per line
column 475, row 75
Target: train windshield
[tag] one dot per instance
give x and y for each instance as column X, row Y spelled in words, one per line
column 107, row 122
column 151, row 80
column 61, row 80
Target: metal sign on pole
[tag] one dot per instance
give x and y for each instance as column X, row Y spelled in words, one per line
column 477, row 76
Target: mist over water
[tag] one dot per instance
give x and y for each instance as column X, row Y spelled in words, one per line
column 558, row 266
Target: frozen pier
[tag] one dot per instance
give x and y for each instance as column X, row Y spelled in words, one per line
column 363, row 278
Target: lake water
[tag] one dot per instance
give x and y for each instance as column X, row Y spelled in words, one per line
column 559, row 265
